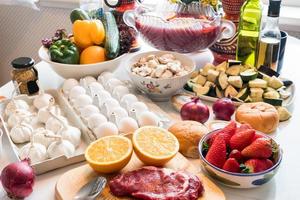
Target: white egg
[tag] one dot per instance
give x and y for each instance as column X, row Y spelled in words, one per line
column 86, row 81
column 112, row 83
column 76, row 91
column 43, row 100
column 127, row 100
column 95, row 88
column 82, row 100
column 18, row 117
column 69, row 84
column 44, row 113
column 148, row 118
column 39, row 136
column 54, row 124
column 117, row 114
column 88, row 111
column 35, row 151
column 101, row 97
column 71, row 134
column 104, row 77
column 96, row 120
column 106, row 129
column 14, row 105
column 137, row 108
column 127, row 125
column 59, row 148
column 108, row 105
column 21, row 133
column 120, row 91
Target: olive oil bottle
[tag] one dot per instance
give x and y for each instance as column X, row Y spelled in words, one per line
column 248, row 32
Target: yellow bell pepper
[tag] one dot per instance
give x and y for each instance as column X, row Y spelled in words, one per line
column 88, row 33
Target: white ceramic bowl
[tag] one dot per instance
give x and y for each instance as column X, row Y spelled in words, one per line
column 160, row 89
column 79, row 71
column 239, row 180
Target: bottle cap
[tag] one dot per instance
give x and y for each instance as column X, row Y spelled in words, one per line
column 22, row 62
column 274, row 8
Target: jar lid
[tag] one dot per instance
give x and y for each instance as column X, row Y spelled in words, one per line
column 22, row 62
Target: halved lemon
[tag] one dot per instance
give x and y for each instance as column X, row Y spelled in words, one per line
column 154, row 145
column 109, row 154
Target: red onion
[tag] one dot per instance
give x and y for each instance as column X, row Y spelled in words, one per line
column 195, row 110
column 18, row 179
column 223, row 109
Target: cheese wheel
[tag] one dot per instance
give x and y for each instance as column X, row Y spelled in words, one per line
column 261, row 116
column 188, row 133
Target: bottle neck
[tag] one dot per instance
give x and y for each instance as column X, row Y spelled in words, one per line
column 272, row 22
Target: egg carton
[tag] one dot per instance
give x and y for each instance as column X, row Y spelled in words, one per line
column 68, row 112
column 111, row 98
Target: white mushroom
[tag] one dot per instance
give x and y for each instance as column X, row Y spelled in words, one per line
column 127, row 125
column 96, row 120
column 88, row 111
column 18, row 116
column 127, row 100
column 68, row 85
column 60, row 147
column 148, row 118
column 82, row 100
column 14, row 105
column 44, row 113
column 35, row 151
column 120, row 91
column 21, row 133
column 106, row 129
column 167, row 74
column 39, row 136
column 76, row 91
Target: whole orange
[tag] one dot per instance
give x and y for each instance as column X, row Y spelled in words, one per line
column 92, row 54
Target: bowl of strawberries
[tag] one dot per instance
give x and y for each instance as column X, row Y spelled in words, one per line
column 240, row 157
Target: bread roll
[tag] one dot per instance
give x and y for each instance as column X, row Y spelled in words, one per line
column 188, row 134
column 261, row 116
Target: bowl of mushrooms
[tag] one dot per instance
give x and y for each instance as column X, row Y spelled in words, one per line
column 160, row 74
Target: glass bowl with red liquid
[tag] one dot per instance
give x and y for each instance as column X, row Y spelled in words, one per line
column 179, row 27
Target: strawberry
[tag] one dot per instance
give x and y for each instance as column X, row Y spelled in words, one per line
column 243, row 127
column 226, row 132
column 237, row 155
column 256, row 136
column 241, row 139
column 260, row 148
column 257, row 165
column 231, row 165
column 216, row 154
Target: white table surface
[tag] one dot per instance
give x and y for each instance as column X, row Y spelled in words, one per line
column 284, row 186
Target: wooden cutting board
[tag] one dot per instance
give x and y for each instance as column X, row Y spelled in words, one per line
column 69, row 183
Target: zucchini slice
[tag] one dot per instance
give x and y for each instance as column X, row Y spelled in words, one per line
column 212, row 91
column 235, row 81
column 219, row 93
column 274, row 102
column 234, row 70
column 269, row 89
column 201, row 90
column 248, row 75
column 222, row 67
column 283, row 93
column 284, row 114
column 212, row 75
column 275, row 82
column 199, row 79
column 287, row 83
column 272, row 95
column 209, row 84
column 268, row 71
column 188, row 86
column 243, row 94
column 222, row 80
column 230, row 91
column 248, row 99
column 258, row 83
column 194, row 74
column 256, row 94
column 234, row 62
column 206, row 68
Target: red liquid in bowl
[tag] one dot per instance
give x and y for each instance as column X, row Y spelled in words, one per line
column 182, row 39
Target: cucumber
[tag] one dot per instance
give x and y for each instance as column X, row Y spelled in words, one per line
column 268, row 71
column 243, row 94
column 248, row 75
column 234, row 70
column 219, row 93
column 275, row 82
column 258, row 83
column 272, row 95
column 230, row 92
column 212, row 75
column 199, row 79
column 222, row 81
column 284, row 114
column 222, row 67
column 256, row 94
column 79, row 14
column 274, row 102
column 201, row 90
column 235, row 81
column 206, row 68
column 112, row 43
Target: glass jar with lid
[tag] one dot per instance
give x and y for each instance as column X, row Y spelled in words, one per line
column 25, row 76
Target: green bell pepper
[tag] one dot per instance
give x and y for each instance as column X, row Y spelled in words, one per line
column 64, row 51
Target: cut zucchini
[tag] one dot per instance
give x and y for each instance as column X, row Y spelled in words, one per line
column 188, row 86
column 212, row 91
column 222, row 67
column 283, row 93
column 219, row 93
column 209, row 84
column 272, row 95
column 248, row 99
column 274, row 102
column 206, row 68
column 256, row 94
column 235, row 81
column 199, row 80
column 284, row 114
column 243, row 94
column 234, row 70
column 269, row 89
column 234, row 62
column 222, row 81
column 194, row 74
column 201, row 90
column 258, row 83
column 248, row 75
column 230, row 91
column 275, row 82
column 268, row 71
column 212, row 75
column 287, row 83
